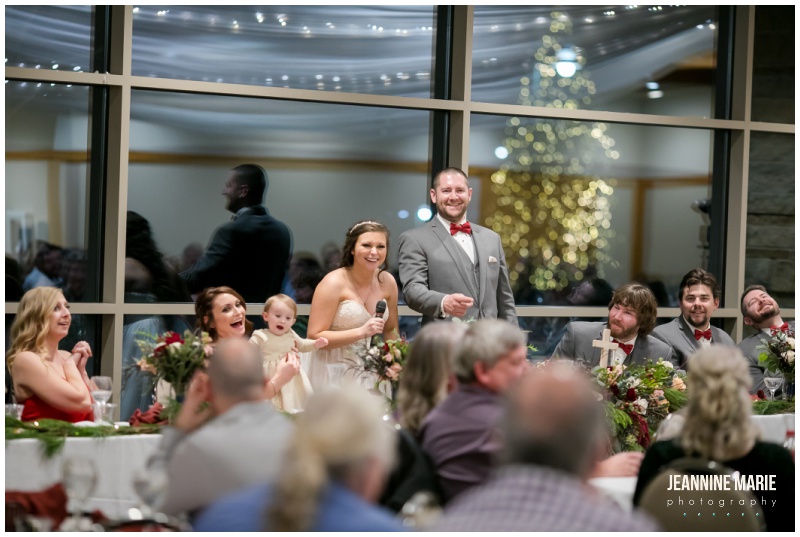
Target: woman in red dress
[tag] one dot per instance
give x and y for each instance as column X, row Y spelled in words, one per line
column 49, row 382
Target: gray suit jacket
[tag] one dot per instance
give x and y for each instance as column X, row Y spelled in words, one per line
column 749, row 347
column 431, row 267
column 242, row 447
column 577, row 345
column 680, row 336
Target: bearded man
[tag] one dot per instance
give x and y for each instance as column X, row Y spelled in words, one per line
column 762, row 312
column 631, row 318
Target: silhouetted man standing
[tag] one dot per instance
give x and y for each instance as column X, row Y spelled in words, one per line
column 251, row 252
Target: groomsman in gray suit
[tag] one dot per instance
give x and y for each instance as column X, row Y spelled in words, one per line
column 451, row 267
column 762, row 313
column 692, row 330
column 631, row 318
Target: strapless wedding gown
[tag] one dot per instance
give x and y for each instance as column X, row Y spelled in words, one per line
column 342, row 365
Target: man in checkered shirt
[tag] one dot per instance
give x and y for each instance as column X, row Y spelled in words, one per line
column 553, row 431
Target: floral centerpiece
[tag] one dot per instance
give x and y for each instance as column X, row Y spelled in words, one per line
column 778, row 354
column 637, row 400
column 174, row 359
column 385, row 360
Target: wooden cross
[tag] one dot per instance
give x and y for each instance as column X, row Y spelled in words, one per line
column 607, row 345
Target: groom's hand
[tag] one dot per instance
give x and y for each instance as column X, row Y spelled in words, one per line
column 456, row 304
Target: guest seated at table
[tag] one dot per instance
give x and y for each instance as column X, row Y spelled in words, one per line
column 427, row 379
column 235, row 442
column 718, row 427
column 334, row 468
column 49, row 382
column 554, row 430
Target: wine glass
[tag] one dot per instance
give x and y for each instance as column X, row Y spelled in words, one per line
column 150, row 486
column 79, row 476
column 103, row 392
column 772, row 383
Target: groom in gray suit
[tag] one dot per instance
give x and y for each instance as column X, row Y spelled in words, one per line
column 451, row 267
column 631, row 318
column 762, row 312
column 692, row 330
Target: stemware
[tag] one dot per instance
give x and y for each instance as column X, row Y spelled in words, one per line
column 150, row 486
column 772, row 383
column 103, row 392
column 79, row 476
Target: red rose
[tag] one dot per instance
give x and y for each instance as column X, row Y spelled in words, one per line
column 173, row 337
column 630, row 395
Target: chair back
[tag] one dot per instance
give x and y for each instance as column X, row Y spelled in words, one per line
column 712, row 508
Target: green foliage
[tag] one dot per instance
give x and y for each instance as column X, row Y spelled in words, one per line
column 764, row 407
column 53, row 433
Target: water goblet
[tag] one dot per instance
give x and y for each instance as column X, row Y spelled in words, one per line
column 14, row 410
column 150, row 486
column 772, row 383
column 102, row 393
column 79, row 476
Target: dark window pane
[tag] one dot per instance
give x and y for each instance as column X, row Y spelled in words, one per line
column 47, row 189
column 49, row 37
column 773, row 64
column 573, row 201
column 642, row 59
column 770, row 252
column 356, row 49
column 328, row 167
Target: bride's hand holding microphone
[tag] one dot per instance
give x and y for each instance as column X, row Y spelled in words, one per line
column 375, row 325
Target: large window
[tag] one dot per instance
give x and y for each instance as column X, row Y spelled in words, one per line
column 604, row 143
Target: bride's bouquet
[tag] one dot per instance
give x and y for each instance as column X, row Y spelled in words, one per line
column 385, row 360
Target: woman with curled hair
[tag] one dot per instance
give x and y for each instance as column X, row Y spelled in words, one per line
column 344, row 307
column 718, row 427
column 220, row 312
column 333, row 470
column 49, row 382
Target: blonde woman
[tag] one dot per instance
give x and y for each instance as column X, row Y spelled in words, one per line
column 718, row 427
column 428, row 374
column 333, row 471
column 49, row 382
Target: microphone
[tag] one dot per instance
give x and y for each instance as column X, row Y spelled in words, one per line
column 380, row 309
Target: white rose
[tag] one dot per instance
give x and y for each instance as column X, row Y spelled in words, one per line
column 666, row 364
column 790, row 341
column 641, row 403
column 790, row 356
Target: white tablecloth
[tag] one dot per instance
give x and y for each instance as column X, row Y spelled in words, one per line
column 116, row 460
column 773, row 428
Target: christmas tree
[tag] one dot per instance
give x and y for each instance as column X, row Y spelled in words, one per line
column 552, row 211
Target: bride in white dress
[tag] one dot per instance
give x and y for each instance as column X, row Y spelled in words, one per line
column 343, row 307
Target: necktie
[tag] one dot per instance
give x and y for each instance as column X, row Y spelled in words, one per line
column 782, row 328
column 700, row 334
column 465, row 228
column 624, row 346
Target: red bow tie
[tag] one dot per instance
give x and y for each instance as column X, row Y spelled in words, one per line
column 700, row 334
column 465, row 228
column 782, row 328
column 624, row 346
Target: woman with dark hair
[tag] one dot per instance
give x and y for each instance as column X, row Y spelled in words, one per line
column 49, row 382
column 221, row 312
column 343, row 309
